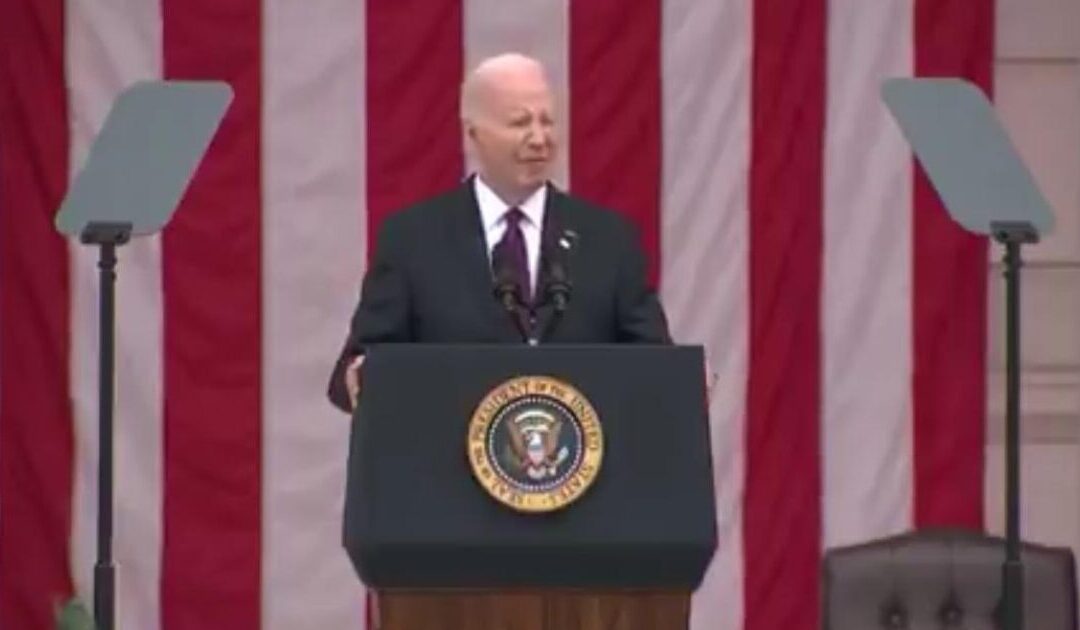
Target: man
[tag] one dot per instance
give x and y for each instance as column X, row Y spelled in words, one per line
column 432, row 278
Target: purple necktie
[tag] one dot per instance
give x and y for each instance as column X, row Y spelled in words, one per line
column 513, row 243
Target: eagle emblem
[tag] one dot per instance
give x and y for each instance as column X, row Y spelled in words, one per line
column 535, row 444
column 534, row 438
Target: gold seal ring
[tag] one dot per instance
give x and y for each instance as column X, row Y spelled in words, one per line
column 535, row 444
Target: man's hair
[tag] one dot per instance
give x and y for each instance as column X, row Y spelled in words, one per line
column 475, row 81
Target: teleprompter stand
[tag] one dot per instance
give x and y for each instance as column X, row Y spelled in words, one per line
column 135, row 174
column 988, row 190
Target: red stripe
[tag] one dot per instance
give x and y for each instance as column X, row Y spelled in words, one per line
column 952, row 38
column 414, row 145
column 782, row 514
column 36, row 439
column 211, row 274
column 414, row 72
column 615, row 137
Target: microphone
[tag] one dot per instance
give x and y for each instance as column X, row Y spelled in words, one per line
column 507, row 290
column 558, row 286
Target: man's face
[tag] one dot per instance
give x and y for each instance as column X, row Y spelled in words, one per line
column 513, row 131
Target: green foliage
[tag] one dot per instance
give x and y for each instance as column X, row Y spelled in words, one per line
column 73, row 615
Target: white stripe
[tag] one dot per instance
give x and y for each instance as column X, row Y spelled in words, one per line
column 538, row 28
column 314, row 236
column 866, row 300
column 705, row 248
column 108, row 47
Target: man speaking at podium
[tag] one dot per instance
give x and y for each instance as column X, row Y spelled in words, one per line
column 505, row 257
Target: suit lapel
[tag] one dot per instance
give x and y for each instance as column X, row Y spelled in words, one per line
column 556, row 220
column 471, row 254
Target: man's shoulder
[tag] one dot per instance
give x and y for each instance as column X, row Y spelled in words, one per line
column 418, row 216
column 594, row 217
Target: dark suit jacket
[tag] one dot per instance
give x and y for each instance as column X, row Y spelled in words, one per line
column 430, row 281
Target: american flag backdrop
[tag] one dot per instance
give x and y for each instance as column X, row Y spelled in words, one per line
column 788, row 229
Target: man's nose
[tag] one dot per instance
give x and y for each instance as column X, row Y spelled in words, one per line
column 539, row 136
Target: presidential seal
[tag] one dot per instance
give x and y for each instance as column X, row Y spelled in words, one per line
column 535, row 444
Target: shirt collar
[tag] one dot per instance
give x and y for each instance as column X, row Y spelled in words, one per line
column 492, row 207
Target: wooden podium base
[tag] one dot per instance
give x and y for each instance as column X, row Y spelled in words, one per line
column 531, row 610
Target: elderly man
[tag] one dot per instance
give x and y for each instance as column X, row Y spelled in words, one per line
column 432, row 278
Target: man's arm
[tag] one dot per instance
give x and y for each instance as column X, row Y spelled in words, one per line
column 382, row 313
column 641, row 318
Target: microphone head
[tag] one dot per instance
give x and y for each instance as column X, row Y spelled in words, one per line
column 506, row 285
column 557, row 284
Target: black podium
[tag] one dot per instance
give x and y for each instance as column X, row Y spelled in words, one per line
column 441, row 551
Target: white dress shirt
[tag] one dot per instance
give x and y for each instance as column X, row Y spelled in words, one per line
column 492, row 211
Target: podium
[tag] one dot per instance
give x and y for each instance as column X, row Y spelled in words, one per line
column 526, row 488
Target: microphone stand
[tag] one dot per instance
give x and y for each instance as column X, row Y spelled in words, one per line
column 508, row 293
column 557, row 285
column 557, row 292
